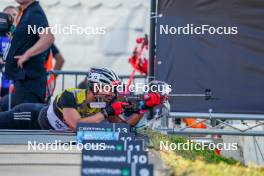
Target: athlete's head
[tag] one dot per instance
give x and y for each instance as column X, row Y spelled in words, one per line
column 103, row 82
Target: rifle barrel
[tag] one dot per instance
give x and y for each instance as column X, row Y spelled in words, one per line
column 188, row 95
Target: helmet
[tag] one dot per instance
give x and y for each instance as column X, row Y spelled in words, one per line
column 160, row 87
column 103, row 76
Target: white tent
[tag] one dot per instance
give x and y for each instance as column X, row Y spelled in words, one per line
column 124, row 21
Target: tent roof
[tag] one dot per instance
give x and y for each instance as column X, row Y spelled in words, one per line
column 88, row 3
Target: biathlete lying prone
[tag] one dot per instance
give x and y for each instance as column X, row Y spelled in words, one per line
column 73, row 106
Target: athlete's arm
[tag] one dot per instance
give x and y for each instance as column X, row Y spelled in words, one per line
column 72, row 118
column 152, row 100
column 70, row 114
column 131, row 120
column 96, row 118
column 134, row 119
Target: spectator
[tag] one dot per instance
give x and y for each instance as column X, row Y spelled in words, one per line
column 26, row 55
column 59, row 60
column 5, row 84
column 11, row 10
column 83, row 84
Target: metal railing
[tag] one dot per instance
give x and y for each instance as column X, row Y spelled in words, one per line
column 219, row 116
column 221, row 119
column 77, row 75
column 83, row 74
column 218, row 124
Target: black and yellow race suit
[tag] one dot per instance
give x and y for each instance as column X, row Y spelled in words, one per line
column 41, row 116
column 69, row 98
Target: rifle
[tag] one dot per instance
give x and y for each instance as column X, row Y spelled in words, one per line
column 136, row 102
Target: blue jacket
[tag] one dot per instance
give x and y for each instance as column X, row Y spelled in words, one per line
column 3, row 44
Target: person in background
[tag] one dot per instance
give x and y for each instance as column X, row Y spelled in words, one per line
column 5, row 83
column 59, row 61
column 26, row 56
column 11, row 10
column 83, row 84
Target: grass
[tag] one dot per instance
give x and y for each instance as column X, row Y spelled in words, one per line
column 198, row 162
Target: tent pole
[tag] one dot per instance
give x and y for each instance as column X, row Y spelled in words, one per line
column 152, row 45
column 152, row 39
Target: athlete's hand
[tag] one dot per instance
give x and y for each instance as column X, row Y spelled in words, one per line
column 152, row 99
column 115, row 108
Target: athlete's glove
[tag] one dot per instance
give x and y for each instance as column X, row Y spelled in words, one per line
column 115, row 108
column 150, row 100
